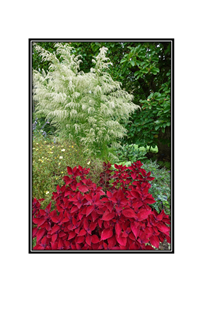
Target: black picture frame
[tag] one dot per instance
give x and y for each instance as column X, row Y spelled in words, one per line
column 30, row 45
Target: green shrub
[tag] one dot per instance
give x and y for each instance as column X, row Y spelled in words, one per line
column 42, row 126
column 131, row 153
column 161, row 186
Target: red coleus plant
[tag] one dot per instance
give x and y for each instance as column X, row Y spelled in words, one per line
column 87, row 218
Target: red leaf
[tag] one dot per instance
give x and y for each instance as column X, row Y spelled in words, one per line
column 44, row 241
column 77, row 230
column 69, row 170
column 128, row 213
column 80, row 239
column 118, row 229
column 54, row 229
column 113, row 199
column 94, row 216
column 71, row 235
column 135, row 230
column 40, row 234
column 150, row 200
column 85, row 224
column 100, row 223
column 82, row 233
column 76, row 171
column 92, row 226
column 143, row 214
column 40, row 222
column 62, row 235
column 78, row 246
column 82, row 188
column 108, row 233
column 67, row 181
column 48, row 208
column 106, row 224
column 34, row 232
column 109, row 206
column 133, row 176
column 131, row 236
column 67, row 244
column 73, row 186
column 121, row 240
column 35, row 220
column 54, row 237
column 134, row 246
column 74, row 209
column 64, row 220
column 164, row 229
column 55, row 219
column 159, row 217
column 108, row 216
column 124, row 234
column 95, row 239
column 111, row 242
column 88, row 239
column 104, row 199
column 89, row 210
column 54, row 245
column 154, row 240
column 135, row 194
column 109, row 194
column 60, row 244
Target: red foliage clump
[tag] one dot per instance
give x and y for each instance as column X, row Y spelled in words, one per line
column 87, row 218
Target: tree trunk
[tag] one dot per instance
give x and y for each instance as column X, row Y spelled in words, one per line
column 163, row 149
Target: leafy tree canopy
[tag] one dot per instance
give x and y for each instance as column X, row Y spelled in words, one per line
column 144, row 69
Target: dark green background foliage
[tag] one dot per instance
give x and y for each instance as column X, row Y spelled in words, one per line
column 144, row 69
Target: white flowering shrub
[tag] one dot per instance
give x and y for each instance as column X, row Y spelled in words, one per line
column 85, row 107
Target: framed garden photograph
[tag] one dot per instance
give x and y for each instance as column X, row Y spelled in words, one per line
column 101, row 146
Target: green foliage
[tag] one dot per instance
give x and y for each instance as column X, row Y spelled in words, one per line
column 160, row 186
column 153, row 118
column 86, row 107
column 144, row 71
column 37, row 61
column 131, row 153
column 41, row 126
column 151, row 65
column 114, row 52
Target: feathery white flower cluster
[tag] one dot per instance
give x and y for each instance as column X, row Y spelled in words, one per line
column 82, row 105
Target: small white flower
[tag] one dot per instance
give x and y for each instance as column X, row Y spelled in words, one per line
column 47, row 192
column 63, row 150
column 61, row 157
column 88, row 162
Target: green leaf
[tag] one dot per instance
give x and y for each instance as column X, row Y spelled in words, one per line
column 132, row 62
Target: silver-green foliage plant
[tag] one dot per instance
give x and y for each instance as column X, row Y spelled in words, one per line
column 160, row 186
column 85, row 107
